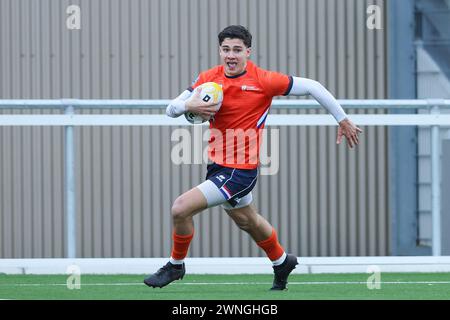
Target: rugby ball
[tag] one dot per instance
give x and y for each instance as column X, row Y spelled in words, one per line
column 211, row 92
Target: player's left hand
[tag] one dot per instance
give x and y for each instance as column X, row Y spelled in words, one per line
column 350, row 131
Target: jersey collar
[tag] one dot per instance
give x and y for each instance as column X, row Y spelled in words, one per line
column 236, row 76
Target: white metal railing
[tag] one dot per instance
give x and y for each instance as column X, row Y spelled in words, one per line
column 69, row 119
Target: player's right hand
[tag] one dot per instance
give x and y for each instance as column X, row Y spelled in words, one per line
column 195, row 104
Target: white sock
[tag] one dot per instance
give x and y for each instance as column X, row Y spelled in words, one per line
column 174, row 261
column 280, row 260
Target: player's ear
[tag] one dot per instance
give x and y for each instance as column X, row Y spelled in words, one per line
column 249, row 51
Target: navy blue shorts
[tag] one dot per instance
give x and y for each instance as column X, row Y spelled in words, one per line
column 233, row 183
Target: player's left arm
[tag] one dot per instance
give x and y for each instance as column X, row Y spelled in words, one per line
column 305, row 86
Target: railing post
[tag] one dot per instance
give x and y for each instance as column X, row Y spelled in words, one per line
column 435, row 187
column 69, row 152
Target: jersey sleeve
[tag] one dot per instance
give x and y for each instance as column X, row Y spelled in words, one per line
column 198, row 81
column 276, row 83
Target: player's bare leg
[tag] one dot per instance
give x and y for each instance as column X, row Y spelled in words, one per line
column 183, row 210
column 247, row 219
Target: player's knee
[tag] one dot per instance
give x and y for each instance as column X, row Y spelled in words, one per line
column 179, row 210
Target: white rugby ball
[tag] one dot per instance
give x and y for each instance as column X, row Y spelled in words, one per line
column 211, row 91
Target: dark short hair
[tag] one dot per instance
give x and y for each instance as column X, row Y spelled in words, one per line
column 236, row 32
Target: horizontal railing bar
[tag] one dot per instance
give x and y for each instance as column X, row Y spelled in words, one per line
column 282, row 103
column 274, row 120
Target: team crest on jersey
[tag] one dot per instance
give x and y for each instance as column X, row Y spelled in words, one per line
column 250, row 88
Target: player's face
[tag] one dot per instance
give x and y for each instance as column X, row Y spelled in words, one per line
column 233, row 55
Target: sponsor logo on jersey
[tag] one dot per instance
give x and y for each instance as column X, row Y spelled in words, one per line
column 250, row 88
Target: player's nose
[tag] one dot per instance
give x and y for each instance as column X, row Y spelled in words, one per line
column 230, row 55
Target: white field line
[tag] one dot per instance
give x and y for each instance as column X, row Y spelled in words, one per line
column 227, row 283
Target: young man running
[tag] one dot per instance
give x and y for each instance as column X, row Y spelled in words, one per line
column 248, row 91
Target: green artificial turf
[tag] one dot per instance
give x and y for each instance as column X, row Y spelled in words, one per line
column 426, row 286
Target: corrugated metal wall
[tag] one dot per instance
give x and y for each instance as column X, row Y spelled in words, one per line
column 325, row 200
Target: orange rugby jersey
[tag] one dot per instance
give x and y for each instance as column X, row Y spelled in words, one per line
column 235, row 131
